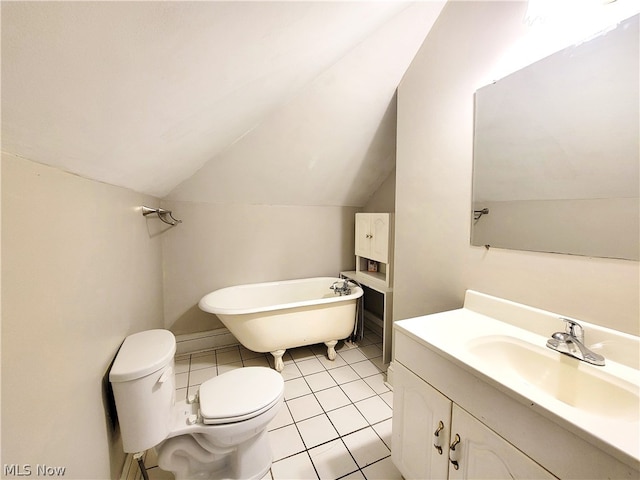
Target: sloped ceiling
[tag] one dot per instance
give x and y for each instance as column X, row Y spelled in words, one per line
column 241, row 102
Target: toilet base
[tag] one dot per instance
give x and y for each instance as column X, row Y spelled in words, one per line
column 239, row 450
column 195, row 457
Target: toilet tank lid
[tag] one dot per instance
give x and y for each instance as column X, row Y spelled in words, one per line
column 143, row 353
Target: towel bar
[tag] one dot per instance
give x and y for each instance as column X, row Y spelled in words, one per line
column 162, row 215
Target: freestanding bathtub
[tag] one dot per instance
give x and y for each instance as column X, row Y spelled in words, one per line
column 274, row 316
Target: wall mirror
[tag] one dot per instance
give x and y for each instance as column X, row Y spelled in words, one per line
column 556, row 152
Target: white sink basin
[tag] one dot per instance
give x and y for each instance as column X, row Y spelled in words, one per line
column 566, row 379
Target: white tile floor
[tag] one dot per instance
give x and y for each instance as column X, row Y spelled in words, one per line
column 336, row 421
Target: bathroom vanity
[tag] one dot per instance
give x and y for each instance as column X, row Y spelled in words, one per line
column 477, row 394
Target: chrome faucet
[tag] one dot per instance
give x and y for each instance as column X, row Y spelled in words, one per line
column 571, row 342
column 343, row 289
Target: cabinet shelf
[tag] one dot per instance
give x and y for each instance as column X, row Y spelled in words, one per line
column 375, row 280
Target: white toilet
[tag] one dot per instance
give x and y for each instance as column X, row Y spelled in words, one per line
column 220, row 433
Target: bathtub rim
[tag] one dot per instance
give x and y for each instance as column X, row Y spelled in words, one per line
column 356, row 292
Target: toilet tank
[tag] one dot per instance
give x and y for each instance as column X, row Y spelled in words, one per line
column 143, row 380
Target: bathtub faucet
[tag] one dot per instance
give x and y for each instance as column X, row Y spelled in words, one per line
column 343, row 289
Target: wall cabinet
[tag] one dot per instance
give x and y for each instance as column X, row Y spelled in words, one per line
column 374, row 243
column 373, row 236
column 432, row 437
column 374, row 246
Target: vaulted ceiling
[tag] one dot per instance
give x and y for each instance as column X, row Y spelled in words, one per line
column 242, row 102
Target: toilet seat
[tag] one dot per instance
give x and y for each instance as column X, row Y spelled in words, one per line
column 239, row 395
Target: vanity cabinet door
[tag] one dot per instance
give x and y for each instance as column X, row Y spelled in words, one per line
column 481, row 453
column 419, row 411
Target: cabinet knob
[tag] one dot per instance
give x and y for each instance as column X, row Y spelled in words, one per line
column 453, row 453
column 437, row 441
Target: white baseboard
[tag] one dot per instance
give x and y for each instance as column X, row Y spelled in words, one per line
column 373, row 322
column 200, row 341
column 389, row 381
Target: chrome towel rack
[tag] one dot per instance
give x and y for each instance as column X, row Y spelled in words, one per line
column 162, row 215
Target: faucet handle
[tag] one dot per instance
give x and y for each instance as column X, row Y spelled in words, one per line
column 574, row 329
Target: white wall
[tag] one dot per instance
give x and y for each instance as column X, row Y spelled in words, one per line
column 435, row 263
column 384, row 198
column 220, row 245
column 81, row 269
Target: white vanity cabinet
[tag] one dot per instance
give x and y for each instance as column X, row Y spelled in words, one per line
column 511, row 425
column 433, row 438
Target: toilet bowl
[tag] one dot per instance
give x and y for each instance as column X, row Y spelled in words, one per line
column 219, row 433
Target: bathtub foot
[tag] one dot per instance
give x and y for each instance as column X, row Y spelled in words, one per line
column 277, row 357
column 331, row 351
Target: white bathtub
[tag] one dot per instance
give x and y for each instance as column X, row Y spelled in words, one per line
column 274, row 316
